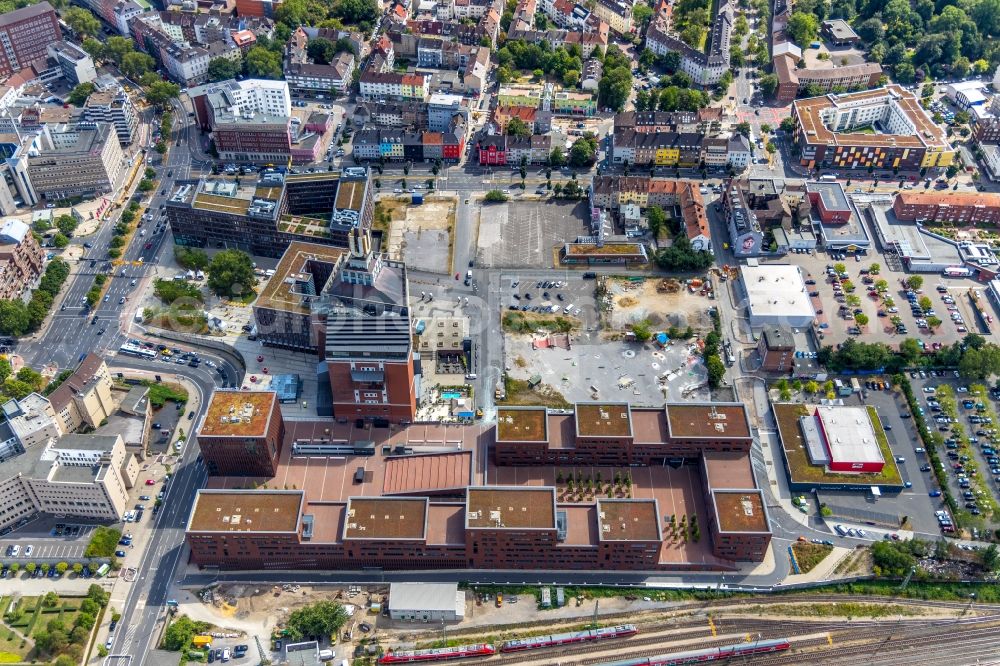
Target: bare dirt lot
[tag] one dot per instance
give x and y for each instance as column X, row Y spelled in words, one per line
column 637, row 301
column 419, row 235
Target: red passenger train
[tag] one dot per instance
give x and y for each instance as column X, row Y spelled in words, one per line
column 438, row 654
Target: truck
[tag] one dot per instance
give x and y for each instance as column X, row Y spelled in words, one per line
column 201, row 641
column 855, row 385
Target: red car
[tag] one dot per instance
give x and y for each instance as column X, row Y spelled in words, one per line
column 150, row 482
column 148, row 246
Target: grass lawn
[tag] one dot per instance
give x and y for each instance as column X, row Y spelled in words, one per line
column 160, row 393
column 808, row 555
column 803, row 471
column 518, row 393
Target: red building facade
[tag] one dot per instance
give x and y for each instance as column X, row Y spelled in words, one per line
column 26, row 34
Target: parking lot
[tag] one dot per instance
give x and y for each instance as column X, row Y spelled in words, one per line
column 525, row 234
column 50, row 539
column 972, row 443
column 838, row 299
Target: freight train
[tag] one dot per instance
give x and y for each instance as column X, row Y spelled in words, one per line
column 709, row 654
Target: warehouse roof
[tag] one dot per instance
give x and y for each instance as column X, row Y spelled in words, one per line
column 425, row 596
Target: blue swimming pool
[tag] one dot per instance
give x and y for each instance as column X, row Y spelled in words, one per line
column 451, row 395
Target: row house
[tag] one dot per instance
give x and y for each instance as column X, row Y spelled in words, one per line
column 412, row 115
column 391, row 85
column 116, row 13
column 396, row 145
column 586, row 41
column 671, row 149
column 336, row 76
column 502, row 150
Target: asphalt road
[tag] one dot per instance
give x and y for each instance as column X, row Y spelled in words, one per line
column 146, row 602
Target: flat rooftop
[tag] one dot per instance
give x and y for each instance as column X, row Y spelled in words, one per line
column 810, row 113
column 591, row 249
column 386, row 518
column 278, row 293
column 524, row 424
column 709, row 421
column 238, row 413
column 848, row 434
column 777, row 290
column 607, row 419
column 246, row 511
column 728, row 469
column 506, row 507
column 628, row 520
column 740, row 511
column 350, row 194
column 832, row 195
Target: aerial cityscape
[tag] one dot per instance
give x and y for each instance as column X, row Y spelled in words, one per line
column 369, row 332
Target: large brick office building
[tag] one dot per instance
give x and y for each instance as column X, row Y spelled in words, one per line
column 25, row 36
column 432, row 510
column 242, row 433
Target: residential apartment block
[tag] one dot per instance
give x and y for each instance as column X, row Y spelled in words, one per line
column 391, row 85
column 85, row 397
column 547, row 97
column 501, row 150
column 115, row 108
column 75, row 64
column 959, row 208
column 704, row 67
column 22, row 261
column 906, row 139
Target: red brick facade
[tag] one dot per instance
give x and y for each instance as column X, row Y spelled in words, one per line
column 393, row 398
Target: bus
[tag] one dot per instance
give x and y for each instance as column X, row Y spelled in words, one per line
column 135, row 350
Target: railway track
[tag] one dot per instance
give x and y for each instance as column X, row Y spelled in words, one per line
column 952, row 642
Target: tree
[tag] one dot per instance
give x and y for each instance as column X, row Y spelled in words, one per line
column 223, row 69
column 66, row 224
column 657, row 220
column 135, row 64
column 716, row 370
column 788, row 125
column 744, row 128
column 230, row 273
column 78, row 96
column 934, row 322
column 641, row 331
column 116, row 47
column 861, row 319
column 771, row 147
column 570, row 78
column 915, row 282
column 584, row 152
column 802, row 27
column 321, row 50
column 614, row 87
column 557, row 157
column 83, row 23
column 991, row 557
column 495, row 196
column 321, row 619
column 161, row 92
column 262, row 63
column 193, row 259
column 180, row 632
column 517, row 127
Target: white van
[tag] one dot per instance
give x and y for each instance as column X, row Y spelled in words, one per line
column 568, row 309
column 325, row 655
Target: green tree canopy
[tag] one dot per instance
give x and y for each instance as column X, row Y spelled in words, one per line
column 223, row 69
column 262, row 63
column 83, row 23
column 321, row 619
column 230, row 273
column 78, row 96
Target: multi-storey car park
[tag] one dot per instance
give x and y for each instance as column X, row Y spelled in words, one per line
column 885, row 128
column 676, row 491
